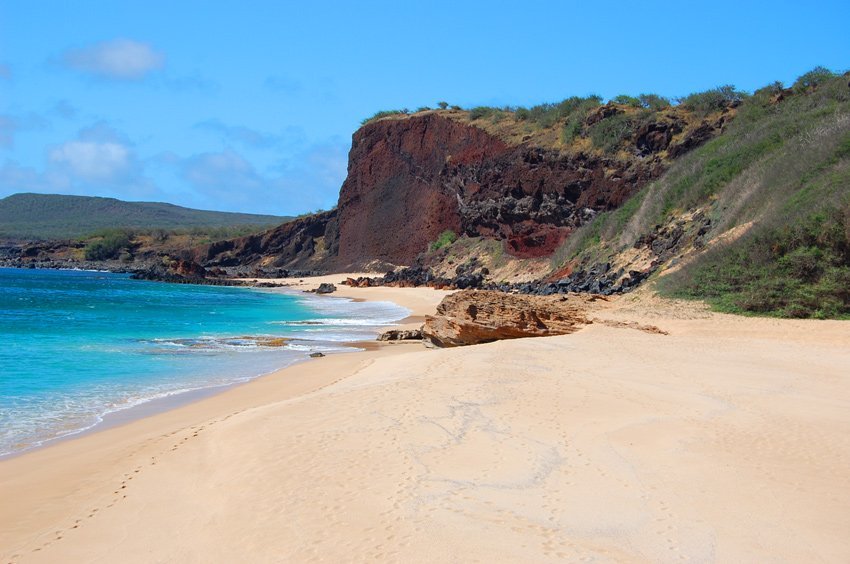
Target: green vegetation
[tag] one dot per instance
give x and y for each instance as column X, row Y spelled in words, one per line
column 480, row 112
column 383, row 114
column 714, row 100
column 445, row 239
column 607, row 134
column 813, row 78
column 799, row 270
column 654, row 102
column 626, row 100
column 547, row 115
column 47, row 216
column 776, row 188
column 108, row 245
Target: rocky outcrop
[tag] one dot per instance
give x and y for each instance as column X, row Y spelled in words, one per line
column 469, row 317
column 411, row 178
column 303, row 244
column 325, row 288
column 401, row 335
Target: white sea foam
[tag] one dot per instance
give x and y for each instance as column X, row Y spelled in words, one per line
column 338, row 321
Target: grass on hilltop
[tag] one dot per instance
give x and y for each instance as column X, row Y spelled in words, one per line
column 780, row 173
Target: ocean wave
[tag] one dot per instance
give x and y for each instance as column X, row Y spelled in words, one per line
column 340, row 322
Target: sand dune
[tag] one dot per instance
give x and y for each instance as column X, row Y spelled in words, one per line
column 726, row 440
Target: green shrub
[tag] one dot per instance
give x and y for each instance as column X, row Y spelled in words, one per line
column 109, row 246
column 571, row 129
column 813, row 78
column 383, row 114
column 626, row 100
column 445, row 239
column 479, row 112
column 607, row 134
column 799, row 270
column 442, row 105
column 654, row 102
column 714, row 100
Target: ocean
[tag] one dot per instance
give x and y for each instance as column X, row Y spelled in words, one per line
column 80, row 345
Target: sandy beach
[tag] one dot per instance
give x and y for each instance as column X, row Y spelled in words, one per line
column 728, row 439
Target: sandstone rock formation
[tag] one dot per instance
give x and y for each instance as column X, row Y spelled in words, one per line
column 469, row 317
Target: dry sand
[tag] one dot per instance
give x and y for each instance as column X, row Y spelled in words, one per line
column 726, row 440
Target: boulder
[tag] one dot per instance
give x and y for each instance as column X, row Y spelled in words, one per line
column 401, row 335
column 470, row 317
column 326, row 288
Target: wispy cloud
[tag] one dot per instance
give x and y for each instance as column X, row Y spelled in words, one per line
column 190, row 83
column 237, row 133
column 17, row 178
column 282, row 84
column 5, row 72
column 8, row 127
column 64, row 109
column 119, row 59
column 308, row 181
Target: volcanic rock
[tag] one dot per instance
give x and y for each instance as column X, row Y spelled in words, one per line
column 326, row 288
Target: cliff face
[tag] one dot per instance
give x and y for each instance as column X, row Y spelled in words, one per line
column 411, row 178
column 395, row 200
column 305, row 243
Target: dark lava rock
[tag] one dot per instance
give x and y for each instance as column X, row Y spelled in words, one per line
column 326, row 288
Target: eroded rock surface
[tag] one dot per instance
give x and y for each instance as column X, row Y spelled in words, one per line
column 470, row 317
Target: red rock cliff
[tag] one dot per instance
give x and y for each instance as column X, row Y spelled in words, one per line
column 412, row 177
column 394, row 201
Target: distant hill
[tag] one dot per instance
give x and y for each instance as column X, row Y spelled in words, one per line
column 54, row 216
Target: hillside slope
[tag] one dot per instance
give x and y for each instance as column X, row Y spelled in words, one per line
column 53, row 216
column 754, row 221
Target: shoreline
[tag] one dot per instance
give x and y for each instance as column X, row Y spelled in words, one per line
column 161, row 404
column 726, row 440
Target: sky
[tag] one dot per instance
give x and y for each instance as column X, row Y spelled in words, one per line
column 250, row 106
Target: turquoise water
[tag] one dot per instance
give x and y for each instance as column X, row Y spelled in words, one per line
column 79, row 345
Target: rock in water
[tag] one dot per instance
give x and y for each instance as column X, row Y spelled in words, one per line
column 325, row 288
column 478, row 316
column 316, row 355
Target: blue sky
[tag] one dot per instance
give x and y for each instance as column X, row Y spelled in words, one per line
column 250, row 106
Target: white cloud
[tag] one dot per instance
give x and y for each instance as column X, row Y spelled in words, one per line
column 92, row 161
column 226, row 180
column 225, row 170
column 119, row 59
